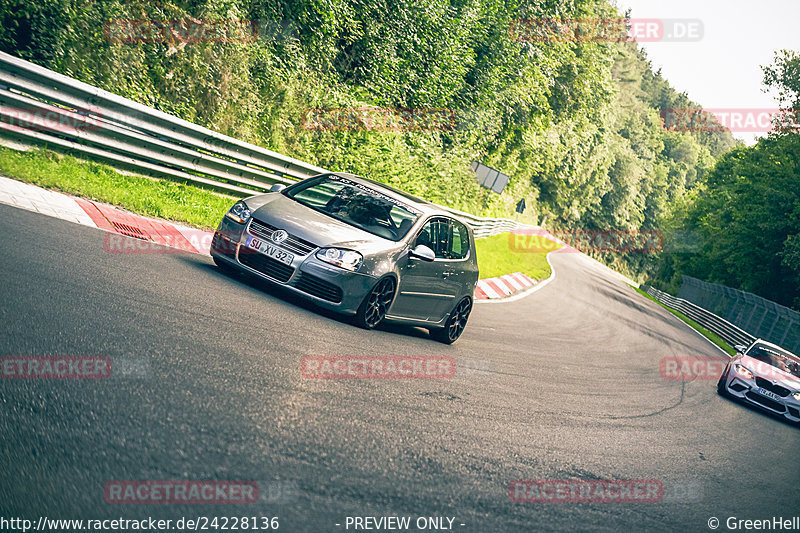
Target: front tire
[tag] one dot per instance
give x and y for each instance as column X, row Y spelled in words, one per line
column 222, row 265
column 373, row 309
column 455, row 324
column 722, row 389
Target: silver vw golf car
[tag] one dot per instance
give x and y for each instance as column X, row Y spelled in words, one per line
column 766, row 376
column 357, row 247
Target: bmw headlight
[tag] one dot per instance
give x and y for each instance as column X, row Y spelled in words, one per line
column 347, row 259
column 743, row 371
column 796, row 396
column 239, row 212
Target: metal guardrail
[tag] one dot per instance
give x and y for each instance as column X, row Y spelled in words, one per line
column 728, row 332
column 763, row 318
column 102, row 125
column 41, row 107
column 485, row 226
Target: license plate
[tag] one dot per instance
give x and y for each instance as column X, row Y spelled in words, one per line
column 769, row 394
column 279, row 254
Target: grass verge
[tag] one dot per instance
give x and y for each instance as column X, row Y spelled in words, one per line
column 195, row 206
column 165, row 199
column 710, row 335
column 496, row 258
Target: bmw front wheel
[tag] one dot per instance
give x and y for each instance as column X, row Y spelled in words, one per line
column 722, row 385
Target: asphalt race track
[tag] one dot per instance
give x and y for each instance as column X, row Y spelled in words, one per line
column 562, row 384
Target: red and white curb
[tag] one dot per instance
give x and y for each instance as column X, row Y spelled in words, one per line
column 503, row 286
column 518, row 294
column 43, row 201
column 106, row 217
column 162, row 233
column 145, row 229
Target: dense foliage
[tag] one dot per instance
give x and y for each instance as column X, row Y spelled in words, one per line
column 577, row 125
column 747, row 214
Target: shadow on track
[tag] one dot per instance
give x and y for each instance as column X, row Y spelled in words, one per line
column 254, row 282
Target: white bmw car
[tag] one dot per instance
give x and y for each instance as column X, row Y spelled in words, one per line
column 766, row 376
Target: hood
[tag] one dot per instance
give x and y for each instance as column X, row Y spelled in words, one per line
column 313, row 226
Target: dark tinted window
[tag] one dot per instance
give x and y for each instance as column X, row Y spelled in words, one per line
column 459, row 241
column 434, row 236
column 777, row 358
column 356, row 204
column 447, row 238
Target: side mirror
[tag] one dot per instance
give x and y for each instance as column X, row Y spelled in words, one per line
column 740, row 348
column 277, row 187
column 422, row 252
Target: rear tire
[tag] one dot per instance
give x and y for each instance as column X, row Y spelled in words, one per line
column 376, row 303
column 455, row 324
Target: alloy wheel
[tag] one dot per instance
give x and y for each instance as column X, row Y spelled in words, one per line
column 377, row 304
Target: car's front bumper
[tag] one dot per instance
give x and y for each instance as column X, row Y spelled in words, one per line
column 747, row 390
column 326, row 285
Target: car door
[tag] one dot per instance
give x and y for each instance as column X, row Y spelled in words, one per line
column 427, row 290
column 463, row 267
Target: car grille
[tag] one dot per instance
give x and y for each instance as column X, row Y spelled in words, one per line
column 266, row 265
column 783, row 392
column 318, row 287
column 766, row 402
column 293, row 244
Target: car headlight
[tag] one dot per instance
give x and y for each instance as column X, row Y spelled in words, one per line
column 743, row 371
column 347, row 259
column 796, row 396
column 239, row 212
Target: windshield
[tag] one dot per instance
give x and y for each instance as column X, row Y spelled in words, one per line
column 776, row 358
column 356, row 204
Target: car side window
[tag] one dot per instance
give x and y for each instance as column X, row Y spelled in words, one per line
column 449, row 239
column 459, row 240
column 435, row 234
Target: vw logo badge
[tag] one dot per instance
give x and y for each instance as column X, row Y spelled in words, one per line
column 279, row 236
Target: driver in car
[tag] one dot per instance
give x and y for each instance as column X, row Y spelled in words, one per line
column 358, row 211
